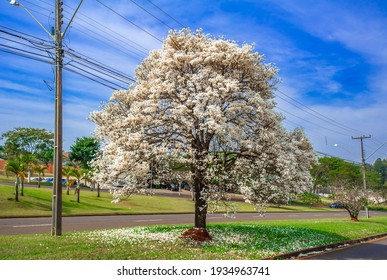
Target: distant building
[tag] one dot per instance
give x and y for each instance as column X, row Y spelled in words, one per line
column 3, row 162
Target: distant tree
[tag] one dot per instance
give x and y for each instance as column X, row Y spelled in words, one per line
column 68, row 172
column 27, row 162
column 39, row 169
column 380, row 166
column 345, row 181
column 1, row 152
column 83, row 151
column 79, row 174
column 309, row 198
column 16, row 168
column 34, row 141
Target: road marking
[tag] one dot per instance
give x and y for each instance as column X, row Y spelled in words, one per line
column 154, row 220
column 39, row 225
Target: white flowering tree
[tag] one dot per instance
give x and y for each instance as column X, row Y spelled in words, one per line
column 205, row 105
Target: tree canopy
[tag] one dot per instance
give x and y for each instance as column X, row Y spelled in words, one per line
column 33, row 141
column 205, row 103
column 346, row 183
column 380, row 166
column 83, row 151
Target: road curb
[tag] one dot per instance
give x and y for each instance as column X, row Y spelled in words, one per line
column 324, row 248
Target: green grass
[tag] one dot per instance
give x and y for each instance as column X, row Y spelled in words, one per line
column 37, row 202
column 247, row 240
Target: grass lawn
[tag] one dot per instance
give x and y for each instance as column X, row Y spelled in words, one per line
column 245, row 240
column 37, row 202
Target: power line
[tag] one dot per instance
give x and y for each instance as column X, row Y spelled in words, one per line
column 99, row 65
column 25, row 51
column 175, row 20
column 136, row 25
column 71, row 63
column 96, row 69
column 328, row 155
column 23, row 44
column 149, row 13
column 127, row 52
column 36, row 5
column 119, row 37
column 315, row 113
column 24, row 55
column 24, row 34
column 85, row 76
column 93, row 30
column 311, row 122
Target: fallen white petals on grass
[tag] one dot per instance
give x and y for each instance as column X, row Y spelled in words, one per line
column 242, row 241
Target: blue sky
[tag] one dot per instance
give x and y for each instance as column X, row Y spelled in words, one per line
column 332, row 57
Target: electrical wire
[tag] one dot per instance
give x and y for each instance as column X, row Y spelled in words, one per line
column 134, row 24
column 29, row 56
column 118, row 36
column 99, row 65
column 85, row 76
column 316, row 114
column 308, row 121
column 149, row 13
column 25, row 35
column 175, row 20
column 95, row 70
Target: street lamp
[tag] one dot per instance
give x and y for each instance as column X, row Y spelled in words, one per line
column 18, row 4
column 339, row 146
column 57, row 37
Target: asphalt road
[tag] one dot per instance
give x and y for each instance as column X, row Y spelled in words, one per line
column 16, row 226
column 371, row 250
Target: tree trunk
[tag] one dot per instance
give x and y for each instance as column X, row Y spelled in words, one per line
column 354, row 215
column 78, row 191
column 98, row 190
column 200, row 206
column 39, row 178
column 354, row 218
column 17, row 189
column 22, row 188
column 67, row 190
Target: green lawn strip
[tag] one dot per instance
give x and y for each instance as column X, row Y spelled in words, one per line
column 244, row 240
column 37, row 202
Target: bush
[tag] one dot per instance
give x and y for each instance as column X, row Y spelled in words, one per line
column 310, row 198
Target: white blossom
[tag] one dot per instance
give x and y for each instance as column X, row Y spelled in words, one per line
column 202, row 112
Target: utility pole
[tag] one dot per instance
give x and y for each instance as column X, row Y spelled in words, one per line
column 363, row 167
column 57, row 37
column 56, row 228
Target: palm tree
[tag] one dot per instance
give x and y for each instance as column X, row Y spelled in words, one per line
column 16, row 168
column 68, row 172
column 87, row 177
column 79, row 175
column 40, row 170
column 27, row 162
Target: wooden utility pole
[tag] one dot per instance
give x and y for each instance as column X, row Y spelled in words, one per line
column 57, row 36
column 56, row 228
column 363, row 168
